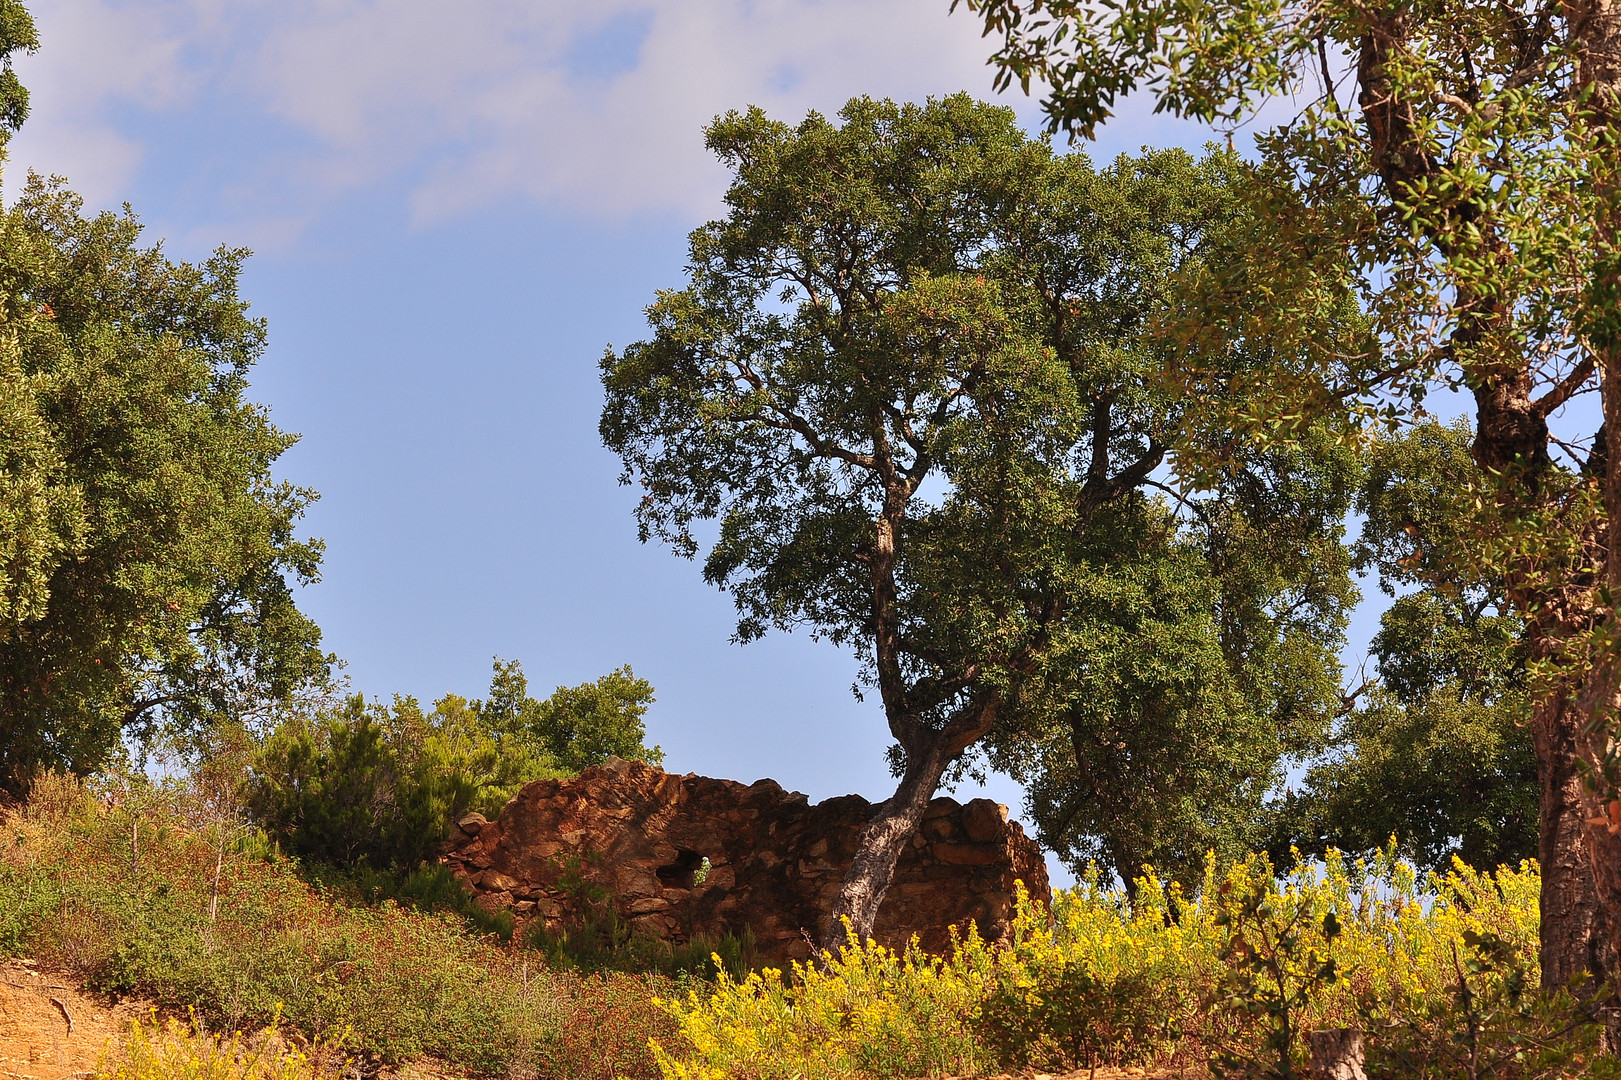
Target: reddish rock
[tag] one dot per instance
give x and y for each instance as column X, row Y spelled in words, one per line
column 641, row 836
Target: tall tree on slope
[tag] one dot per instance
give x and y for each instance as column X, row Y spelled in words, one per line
column 908, row 377
column 1464, row 160
column 147, row 554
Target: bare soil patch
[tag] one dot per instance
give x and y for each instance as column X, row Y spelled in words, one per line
column 50, row 1029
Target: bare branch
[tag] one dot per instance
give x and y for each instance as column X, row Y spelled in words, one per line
column 1567, row 388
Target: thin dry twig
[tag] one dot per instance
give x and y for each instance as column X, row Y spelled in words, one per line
column 63, row 1009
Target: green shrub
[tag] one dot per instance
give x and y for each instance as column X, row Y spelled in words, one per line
column 1493, row 1023
column 430, row 887
column 605, row 1031
column 124, row 896
column 380, row 786
column 578, row 726
column 599, row 939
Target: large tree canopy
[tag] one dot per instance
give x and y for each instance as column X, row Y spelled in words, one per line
column 147, row 554
column 1457, row 165
column 909, row 378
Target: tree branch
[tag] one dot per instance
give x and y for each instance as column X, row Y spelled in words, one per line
column 1567, row 388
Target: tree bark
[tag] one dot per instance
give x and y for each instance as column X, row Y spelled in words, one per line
column 1592, row 727
column 929, row 752
column 1574, row 934
column 1580, row 857
column 1338, row 1054
column 892, row 824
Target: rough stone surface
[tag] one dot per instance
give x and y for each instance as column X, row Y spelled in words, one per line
column 775, row 861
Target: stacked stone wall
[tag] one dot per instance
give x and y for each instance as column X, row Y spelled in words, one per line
column 691, row 856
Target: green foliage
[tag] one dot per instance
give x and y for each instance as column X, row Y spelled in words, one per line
column 1111, row 978
column 380, row 786
column 1275, row 968
column 1445, row 776
column 578, row 726
column 912, row 377
column 429, row 887
column 839, row 345
column 377, row 785
column 1452, row 168
column 17, row 34
column 1438, row 752
column 1493, row 1024
column 117, row 889
column 147, row 555
column 114, row 886
column 598, row 939
column 1198, row 661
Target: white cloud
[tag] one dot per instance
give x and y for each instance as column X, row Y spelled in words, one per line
column 467, row 104
column 482, row 96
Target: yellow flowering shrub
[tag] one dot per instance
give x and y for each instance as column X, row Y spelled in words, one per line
column 1101, row 978
column 176, row 1051
column 1116, row 977
column 872, row 1013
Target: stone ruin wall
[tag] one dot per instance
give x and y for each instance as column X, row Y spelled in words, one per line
column 775, row 861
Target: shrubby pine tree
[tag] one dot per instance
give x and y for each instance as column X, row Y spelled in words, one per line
column 381, row 785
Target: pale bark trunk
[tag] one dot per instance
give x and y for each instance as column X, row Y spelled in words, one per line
column 891, row 826
column 1338, row 1054
column 929, row 752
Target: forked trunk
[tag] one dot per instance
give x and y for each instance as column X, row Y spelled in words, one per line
column 892, row 824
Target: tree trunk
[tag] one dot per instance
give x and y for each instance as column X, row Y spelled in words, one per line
column 1592, row 727
column 1574, row 940
column 893, row 823
column 1338, row 1054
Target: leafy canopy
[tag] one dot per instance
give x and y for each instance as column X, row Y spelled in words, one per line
column 147, row 553
column 1447, row 168
column 912, row 380
column 17, row 34
column 1437, row 754
column 843, row 385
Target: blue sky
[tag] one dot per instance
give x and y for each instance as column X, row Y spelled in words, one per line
column 455, row 208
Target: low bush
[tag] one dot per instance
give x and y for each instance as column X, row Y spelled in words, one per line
column 608, row 1021
column 599, row 939
column 430, row 887
column 367, row 785
column 133, row 891
column 872, row 1013
column 1233, row 980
